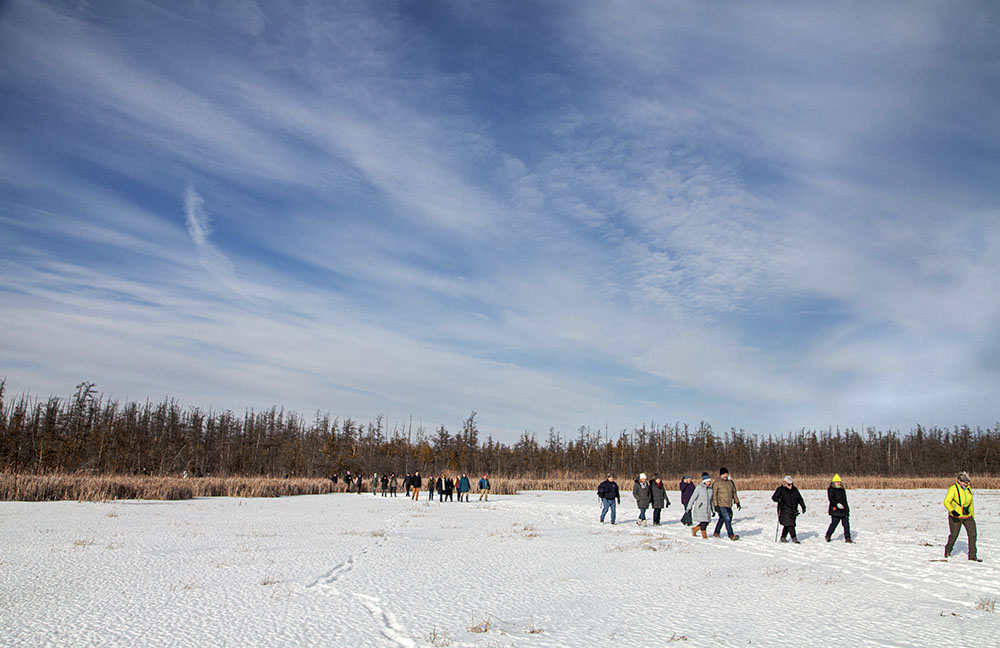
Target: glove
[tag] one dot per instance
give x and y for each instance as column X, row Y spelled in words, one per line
column 739, row 507
column 803, row 510
column 716, row 509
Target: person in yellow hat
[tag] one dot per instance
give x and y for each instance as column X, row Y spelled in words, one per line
column 958, row 501
column 840, row 512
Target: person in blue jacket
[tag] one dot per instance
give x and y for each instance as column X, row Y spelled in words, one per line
column 484, row 489
column 609, row 495
column 464, row 486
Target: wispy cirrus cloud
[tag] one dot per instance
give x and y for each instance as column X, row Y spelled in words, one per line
column 768, row 218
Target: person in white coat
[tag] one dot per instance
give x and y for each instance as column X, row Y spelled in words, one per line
column 700, row 506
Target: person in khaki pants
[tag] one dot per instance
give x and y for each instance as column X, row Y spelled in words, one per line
column 958, row 502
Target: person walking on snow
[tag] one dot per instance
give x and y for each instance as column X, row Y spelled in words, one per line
column 385, row 485
column 415, row 484
column 607, row 492
column 700, row 506
column 643, row 497
column 723, row 497
column 361, row 484
column 687, row 489
column 789, row 500
column 958, row 502
column 464, row 486
column 484, row 489
column 430, row 488
column 660, row 499
column 840, row 512
column 393, row 484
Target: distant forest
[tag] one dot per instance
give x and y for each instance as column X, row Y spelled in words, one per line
column 88, row 432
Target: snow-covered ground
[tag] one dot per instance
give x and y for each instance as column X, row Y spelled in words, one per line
column 536, row 569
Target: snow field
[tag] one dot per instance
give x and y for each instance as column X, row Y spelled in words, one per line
column 536, row 569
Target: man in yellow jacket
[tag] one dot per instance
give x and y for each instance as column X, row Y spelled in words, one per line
column 958, row 501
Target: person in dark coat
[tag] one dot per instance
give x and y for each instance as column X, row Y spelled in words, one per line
column 385, row 485
column 430, row 487
column 840, row 512
column 687, row 489
column 449, row 489
column 415, row 484
column 360, row 483
column 643, row 498
column 393, row 484
column 408, row 483
column 789, row 500
column 348, row 481
column 608, row 494
column 660, row 499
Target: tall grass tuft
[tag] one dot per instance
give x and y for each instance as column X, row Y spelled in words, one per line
column 93, row 488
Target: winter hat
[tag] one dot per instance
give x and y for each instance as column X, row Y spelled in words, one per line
column 706, row 478
column 687, row 476
column 788, row 479
column 642, row 476
column 703, row 476
column 836, row 477
column 723, row 471
column 963, row 476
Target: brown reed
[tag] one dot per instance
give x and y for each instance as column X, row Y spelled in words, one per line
column 89, row 487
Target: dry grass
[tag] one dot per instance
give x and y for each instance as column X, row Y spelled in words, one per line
column 483, row 626
column 96, row 488
column 87, row 487
column 505, row 484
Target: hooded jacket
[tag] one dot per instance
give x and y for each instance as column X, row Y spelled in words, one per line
column 642, row 494
column 700, row 504
column 659, row 493
column 789, row 500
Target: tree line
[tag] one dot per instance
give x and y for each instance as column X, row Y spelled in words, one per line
column 89, row 432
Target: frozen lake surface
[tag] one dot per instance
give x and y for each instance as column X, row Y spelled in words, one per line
column 536, row 569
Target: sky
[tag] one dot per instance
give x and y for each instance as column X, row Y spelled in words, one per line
column 764, row 216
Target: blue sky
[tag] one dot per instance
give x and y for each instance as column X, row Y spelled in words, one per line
column 765, row 216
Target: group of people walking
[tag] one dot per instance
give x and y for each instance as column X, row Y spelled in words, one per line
column 444, row 485
column 711, row 497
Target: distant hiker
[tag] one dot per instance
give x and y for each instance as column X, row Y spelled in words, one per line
column 464, row 486
column 840, row 512
column 484, row 489
column 347, row 481
column 789, row 500
column 430, row 488
column 449, row 488
column 660, row 500
column 385, row 485
column 361, row 484
column 408, row 483
column 608, row 493
column 375, row 484
column 393, row 484
column 723, row 497
column 415, row 484
column 700, row 506
column 958, row 502
column 333, row 478
column 643, row 497
column 687, row 489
